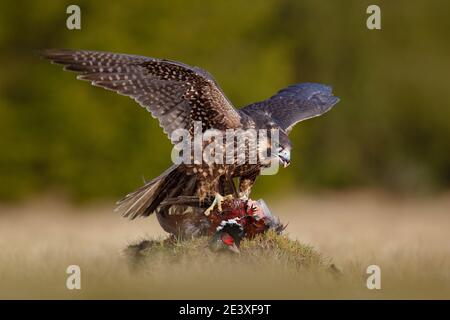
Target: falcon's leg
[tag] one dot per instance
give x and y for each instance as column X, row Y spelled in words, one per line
column 245, row 186
column 230, row 182
column 218, row 200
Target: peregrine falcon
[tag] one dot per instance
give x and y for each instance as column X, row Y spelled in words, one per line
column 178, row 96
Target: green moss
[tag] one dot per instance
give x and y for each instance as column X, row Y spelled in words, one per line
column 268, row 250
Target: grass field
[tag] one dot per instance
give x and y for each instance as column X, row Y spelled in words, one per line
column 409, row 238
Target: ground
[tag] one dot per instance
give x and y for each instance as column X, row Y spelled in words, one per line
column 406, row 236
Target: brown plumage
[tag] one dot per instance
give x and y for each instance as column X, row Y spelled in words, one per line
column 178, row 95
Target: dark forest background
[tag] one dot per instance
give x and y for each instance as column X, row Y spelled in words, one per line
column 390, row 130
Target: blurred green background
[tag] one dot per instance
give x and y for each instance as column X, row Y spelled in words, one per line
column 391, row 129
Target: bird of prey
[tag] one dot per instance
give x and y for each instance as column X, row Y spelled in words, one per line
column 178, row 95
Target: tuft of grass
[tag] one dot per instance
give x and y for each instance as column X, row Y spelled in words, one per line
column 270, row 266
column 268, row 250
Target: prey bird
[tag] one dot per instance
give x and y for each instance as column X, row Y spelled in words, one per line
column 178, row 96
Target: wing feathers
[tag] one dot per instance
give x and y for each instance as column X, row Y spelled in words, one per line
column 167, row 89
column 296, row 103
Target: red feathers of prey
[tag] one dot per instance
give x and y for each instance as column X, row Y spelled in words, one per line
column 252, row 216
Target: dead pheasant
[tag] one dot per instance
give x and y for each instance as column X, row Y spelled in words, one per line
column 240, row 219
column 234, row 220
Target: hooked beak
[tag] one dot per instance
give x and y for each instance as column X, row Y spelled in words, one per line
column 285, row 157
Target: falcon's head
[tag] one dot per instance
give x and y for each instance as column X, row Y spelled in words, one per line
column 289, row 106
column 277, row 149
column 283, row 149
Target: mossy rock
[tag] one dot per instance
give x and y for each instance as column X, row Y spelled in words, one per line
column 269, row 250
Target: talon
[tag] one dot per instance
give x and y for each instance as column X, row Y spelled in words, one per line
column 218, row 200
column 243, row 196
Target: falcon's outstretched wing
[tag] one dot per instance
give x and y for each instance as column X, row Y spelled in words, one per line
column 176, row 94
column 296, row 103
